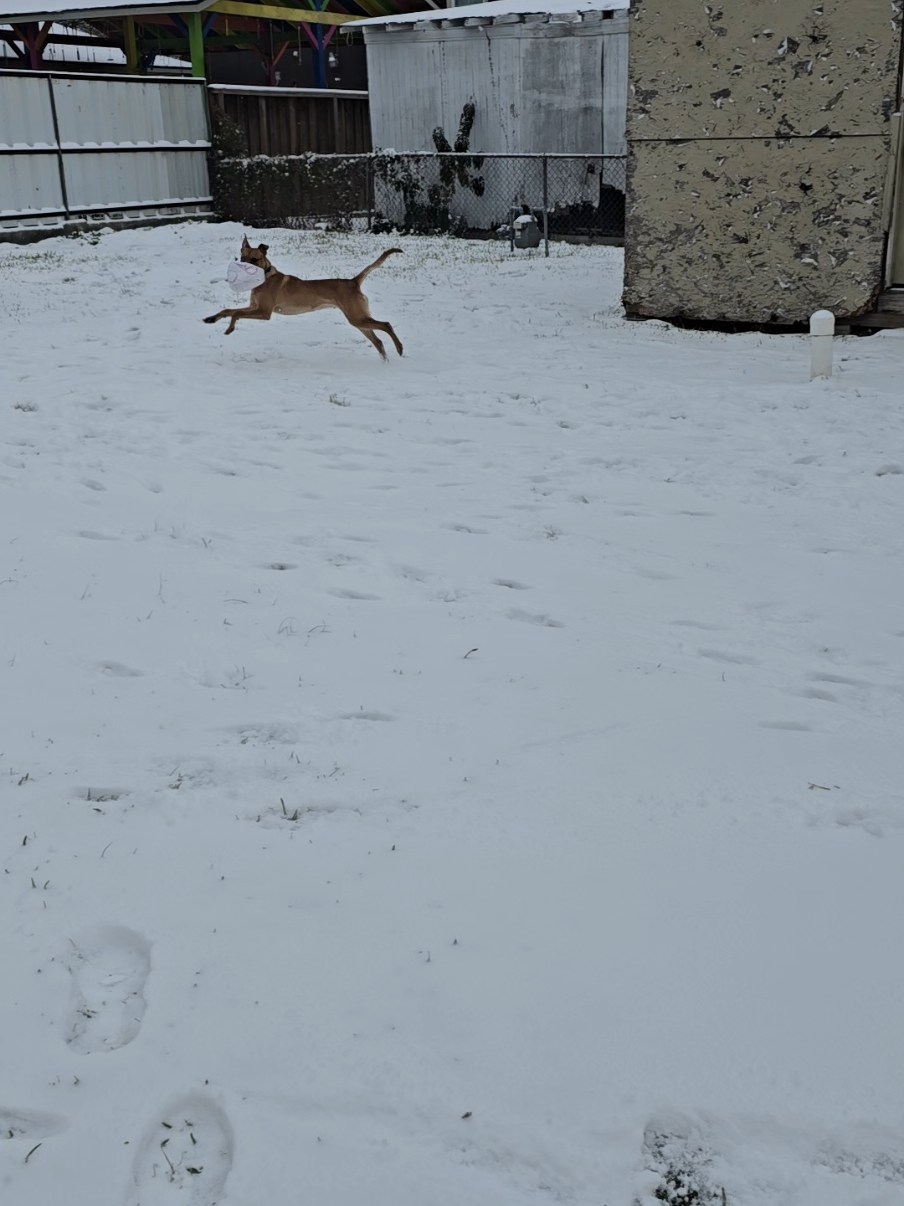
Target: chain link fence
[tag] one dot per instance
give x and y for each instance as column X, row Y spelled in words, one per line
column 577, row 197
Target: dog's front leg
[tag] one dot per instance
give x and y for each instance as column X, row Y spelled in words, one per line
column 254, row 312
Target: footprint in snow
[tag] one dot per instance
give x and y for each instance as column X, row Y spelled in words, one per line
column 816, row 693
column 732, row 659
column 463, row 527
column 412, row 572
column 364, row 716
column 793, row 726
column 531, row 617
column 839, row 679
column 185, row 1155
column 657, row 575
column 31, row 1126
column 109, row 966
column 118, row 670
column 358, row 595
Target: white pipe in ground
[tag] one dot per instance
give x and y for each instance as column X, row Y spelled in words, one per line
column 822, row 331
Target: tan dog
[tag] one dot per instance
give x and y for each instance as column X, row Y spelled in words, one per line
column 283, row 294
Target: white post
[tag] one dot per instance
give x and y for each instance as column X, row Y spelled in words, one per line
column 822, row 330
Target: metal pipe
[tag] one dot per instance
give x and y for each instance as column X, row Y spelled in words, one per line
column 546, row 206
column 59, row 145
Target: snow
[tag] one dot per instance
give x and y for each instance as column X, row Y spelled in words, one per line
column 471, row 778
column 99, row 8
column 498, row 8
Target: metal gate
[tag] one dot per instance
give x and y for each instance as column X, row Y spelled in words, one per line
column 78, row 150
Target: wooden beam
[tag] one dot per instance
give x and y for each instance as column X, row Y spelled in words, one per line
column 373, row 9
column 272, row 12
column 72, row 40
column 130, row 44
column 235, row 41
column 195, row 43
column 10, row 38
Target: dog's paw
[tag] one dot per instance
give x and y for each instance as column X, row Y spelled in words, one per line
column 212, row 318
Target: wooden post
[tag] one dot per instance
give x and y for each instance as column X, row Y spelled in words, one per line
column 263, row 121
column 319, row 59
column 28, row 32
column 195, row 44
column 130, row 45
column 320, row 47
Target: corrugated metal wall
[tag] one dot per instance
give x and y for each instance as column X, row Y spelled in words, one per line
column 555, row 84
column 116, row 149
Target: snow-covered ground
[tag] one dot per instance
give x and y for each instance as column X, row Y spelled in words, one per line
column 475, row 778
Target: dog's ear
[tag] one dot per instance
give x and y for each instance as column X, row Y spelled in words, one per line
column 263, row 248
column 245, row 242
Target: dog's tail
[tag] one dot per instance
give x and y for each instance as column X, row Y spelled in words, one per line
column 376, row 264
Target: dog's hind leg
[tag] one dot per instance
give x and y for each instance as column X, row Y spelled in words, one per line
column 368, row 325
column 378, row 344
column 357, row 312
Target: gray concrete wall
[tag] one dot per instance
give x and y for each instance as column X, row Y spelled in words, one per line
column 759, row 149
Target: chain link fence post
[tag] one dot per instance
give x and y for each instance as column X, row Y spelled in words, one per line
column 546, row 206
column 370, row 189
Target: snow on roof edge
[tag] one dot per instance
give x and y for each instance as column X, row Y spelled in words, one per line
column 66, row 10
column 496, row 8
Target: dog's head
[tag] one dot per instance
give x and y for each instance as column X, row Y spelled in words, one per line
column 255, row 255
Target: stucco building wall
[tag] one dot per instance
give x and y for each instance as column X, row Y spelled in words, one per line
column 759, row 144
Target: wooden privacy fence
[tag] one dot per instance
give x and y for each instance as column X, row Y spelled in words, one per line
column 293, row 121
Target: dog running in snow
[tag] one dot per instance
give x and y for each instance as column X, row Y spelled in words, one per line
column 284, row 294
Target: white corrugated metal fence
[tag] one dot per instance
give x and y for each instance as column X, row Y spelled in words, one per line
column 78, row 149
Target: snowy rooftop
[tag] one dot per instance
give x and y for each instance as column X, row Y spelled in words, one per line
column 500, row 8
column 104, row 56
column 47, row 9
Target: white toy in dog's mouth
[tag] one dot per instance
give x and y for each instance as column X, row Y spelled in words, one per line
column 242, row 277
